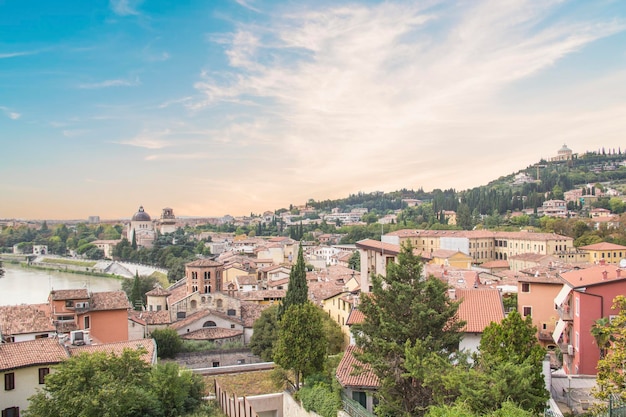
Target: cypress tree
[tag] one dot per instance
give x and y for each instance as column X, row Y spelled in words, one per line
column 134, row 242
column 135, row 294
column 298, row 290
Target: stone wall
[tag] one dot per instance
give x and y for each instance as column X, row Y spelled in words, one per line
column 207, row 359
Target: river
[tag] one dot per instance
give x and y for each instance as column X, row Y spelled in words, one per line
column 31, row 286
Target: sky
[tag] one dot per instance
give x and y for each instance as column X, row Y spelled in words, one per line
column 241, row 106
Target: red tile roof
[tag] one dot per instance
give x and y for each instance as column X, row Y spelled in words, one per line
column 118, row 348
column 25, row 318
column 31, row 353
column 80, row 294
column 372, row 244
column 595, row 275
column 109, row 300
column 212, row 333
column 355, row 317
column 479, row 308
column 204, row 262
column 603, row 246
column 353, row 373
column 158, row 291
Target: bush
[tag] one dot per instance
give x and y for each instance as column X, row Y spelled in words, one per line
column 322, row 398
column 168, row 342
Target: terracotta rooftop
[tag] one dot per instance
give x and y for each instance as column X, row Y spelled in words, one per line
column 212, row 333
column 247, row 280
column 158, row 291
column 31, row 353
column 204, row 262
column 595, row 275
column 495, row 264
column 198, row 315
column 118, row 348
column 250, row 312
column 445, row 253
column 321, row 290
column 603, row 246
column 356, row 316
column 25, row 318
column 353, row 373
column 377, row 245
column 479, row 308
column 477, row 234
column 151, row 317
column 260, row 295
column 80, row 294
column 109, row 300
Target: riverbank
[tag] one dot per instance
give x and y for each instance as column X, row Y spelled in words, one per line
column 63, row 268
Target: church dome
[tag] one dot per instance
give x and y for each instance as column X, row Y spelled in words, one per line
column 141, row 216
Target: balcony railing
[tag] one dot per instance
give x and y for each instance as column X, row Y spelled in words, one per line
column 353, row 408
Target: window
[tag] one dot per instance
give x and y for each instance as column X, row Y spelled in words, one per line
column 577, row 341
column 42, row 374
column 232, row 326
column 11, row 412
column 525, row 287
column 87, row 322
column 216, row 364
column 9, row 381
column 69, row 303
column 577, row 306
column 41, row 336
column 527, row 311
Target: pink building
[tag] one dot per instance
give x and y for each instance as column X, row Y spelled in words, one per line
column 586, row 296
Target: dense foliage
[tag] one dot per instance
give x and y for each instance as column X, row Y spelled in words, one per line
column 168, row 342
column 302, row 345
column 101, row 384
column 298, row 289
column 265, row 334
column 405, row 309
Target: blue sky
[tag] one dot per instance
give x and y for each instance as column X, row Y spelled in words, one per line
column 231, row 107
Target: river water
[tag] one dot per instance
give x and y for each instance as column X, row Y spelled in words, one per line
column 31, row 286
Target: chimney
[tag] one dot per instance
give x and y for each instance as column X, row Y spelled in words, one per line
column 452, row 293
column 618, row 273
column 605, row 274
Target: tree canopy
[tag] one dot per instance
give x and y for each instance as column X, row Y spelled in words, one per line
column 102, row 384
column 404, row 309
column 302, row 345
column 298, row 289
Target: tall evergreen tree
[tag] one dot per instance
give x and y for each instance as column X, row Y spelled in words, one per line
column 134, row 242
column 298, row 290
column 1, row 269
column 136, row 298
column 404, row 309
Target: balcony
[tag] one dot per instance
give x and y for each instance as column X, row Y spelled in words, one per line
column 565, row 312
column 545, row 336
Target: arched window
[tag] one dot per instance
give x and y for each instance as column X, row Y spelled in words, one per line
column 193, row 304
column 209, row 323
column 219, row 303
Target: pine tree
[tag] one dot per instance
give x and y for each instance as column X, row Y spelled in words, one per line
column 405, row 309
column 134, row 242
column 298, row 290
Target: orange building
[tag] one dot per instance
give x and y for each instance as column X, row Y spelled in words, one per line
column 103, row 314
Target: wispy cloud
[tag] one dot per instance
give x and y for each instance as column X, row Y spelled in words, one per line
column 10, row 114
column 125, row 7
column 176, row 156
column 7, row 55
column 175, row 101
column 247, row 4
column 111, row 83
column 388, row 84
column 150, row 140
column 72, row 133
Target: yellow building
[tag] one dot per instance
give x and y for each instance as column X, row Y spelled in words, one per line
column 605, row 252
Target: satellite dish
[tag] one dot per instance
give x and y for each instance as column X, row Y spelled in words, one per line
column 622, row 263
